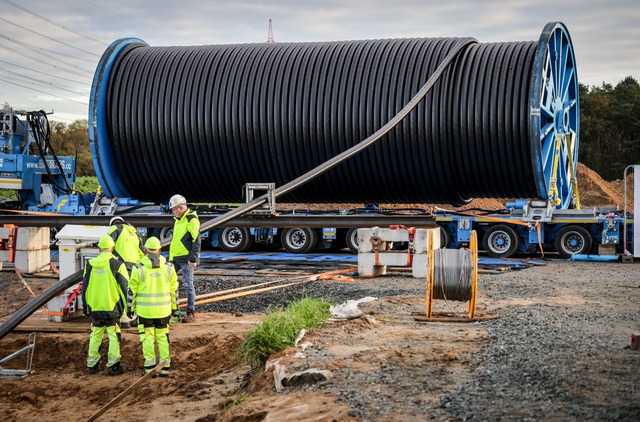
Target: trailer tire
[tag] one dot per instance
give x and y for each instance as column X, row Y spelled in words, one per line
column 298, row 240
column 53, row 240
column 501, row 241
column 165, row 234
column 351, row 239
column 234, row 239
column 445, row 238
column 573, row 240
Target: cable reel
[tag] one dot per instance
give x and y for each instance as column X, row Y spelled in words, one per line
column 452, row 275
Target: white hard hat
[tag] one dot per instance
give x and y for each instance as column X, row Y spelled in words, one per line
column 116, row 219
column 177, row 200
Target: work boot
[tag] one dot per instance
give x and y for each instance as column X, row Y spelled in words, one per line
column 145, row 372
column 191, row 316
column 117, row 369
column 93, row 369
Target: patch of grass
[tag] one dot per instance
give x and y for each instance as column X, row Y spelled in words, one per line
column 9, row 193
column 234, row 401
column 280, row 329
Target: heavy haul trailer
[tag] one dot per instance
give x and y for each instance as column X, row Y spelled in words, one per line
column 524, row 227
column 527, row 229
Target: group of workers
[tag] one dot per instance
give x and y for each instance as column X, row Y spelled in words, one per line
column 143, row 286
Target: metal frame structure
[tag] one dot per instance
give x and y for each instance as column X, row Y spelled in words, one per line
column 20, row 373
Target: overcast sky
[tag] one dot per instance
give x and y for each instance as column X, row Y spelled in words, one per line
column 50, row 49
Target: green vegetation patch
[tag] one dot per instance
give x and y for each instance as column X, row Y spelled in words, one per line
column 280, row 329
column 86, row 184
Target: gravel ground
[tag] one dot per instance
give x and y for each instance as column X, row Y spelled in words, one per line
column 558, row 352
column 565, row 359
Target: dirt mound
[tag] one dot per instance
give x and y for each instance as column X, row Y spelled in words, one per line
column 595, row 191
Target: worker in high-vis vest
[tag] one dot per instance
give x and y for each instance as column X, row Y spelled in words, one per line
column 184, row 250
column 127, row 249
column 154, row 285
column 103, row 293
column 127, row 243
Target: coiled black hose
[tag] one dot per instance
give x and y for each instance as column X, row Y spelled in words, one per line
column 205, row 120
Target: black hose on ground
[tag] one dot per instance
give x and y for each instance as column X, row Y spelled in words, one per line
column 38, row 302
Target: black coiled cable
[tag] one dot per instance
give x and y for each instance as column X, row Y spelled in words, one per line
column 204, row 121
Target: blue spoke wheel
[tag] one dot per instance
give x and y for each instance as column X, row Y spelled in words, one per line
column 555, row 113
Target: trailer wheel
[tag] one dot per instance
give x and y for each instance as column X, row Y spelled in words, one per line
column 53, row 240
column 352, row 240
column 234, row 239
column 165, row 234
column 298, row 239
column 501, row 241
column 445, row 238
column 573, row 240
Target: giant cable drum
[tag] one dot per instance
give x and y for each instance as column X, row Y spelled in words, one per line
column 502, row 121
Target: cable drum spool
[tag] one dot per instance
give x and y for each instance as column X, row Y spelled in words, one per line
column 205, row 120
column 452, row 274
column 453, row 269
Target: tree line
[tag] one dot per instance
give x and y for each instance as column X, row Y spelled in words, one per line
column 610, row 127
column 609, row 131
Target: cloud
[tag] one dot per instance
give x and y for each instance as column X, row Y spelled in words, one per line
column 604, row 33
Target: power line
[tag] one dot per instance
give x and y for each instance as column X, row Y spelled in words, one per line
column 49, row 38
column 41, row 61
column 45, row 73
column 40, row 81
column 43, row 92
column 74, row 31
column 44, row 52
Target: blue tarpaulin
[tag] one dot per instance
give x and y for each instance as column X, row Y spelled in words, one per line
column 279, row 256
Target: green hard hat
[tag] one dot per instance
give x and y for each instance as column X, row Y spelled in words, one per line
column 153, row 244
column 106, row 242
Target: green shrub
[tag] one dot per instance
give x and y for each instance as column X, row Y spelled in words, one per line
column 280, row 329
column 86, row 184
column 9, row 193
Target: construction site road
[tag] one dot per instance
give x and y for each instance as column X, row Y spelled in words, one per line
column 560, row 350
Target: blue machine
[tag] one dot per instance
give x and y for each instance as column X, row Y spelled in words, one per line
column 29, row 165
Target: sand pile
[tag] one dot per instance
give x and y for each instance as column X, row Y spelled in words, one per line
column 595, row 191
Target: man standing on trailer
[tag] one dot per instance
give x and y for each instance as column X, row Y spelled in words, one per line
column 103, row 292
column 184, row 250
column 154, row 285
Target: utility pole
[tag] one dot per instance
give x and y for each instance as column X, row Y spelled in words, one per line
column 270, row 34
